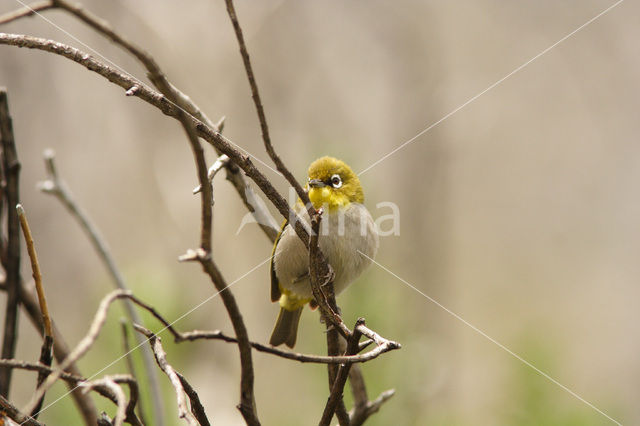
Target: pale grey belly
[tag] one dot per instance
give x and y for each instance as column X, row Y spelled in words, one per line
column 341, row 245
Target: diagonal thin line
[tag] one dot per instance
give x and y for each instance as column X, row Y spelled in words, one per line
column 157, row 333
column 133, row 76
column 500, row 345
column 493, row 86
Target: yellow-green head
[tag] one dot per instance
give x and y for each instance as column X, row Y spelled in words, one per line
column 332, row 183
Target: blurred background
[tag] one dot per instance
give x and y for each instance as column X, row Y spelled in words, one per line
column 520, row 212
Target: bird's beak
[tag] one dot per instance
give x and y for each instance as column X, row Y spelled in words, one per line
column 316, row 183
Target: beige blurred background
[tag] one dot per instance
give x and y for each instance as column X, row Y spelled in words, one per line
column 520, row 212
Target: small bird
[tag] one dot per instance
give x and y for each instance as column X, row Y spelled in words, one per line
column 346, row 228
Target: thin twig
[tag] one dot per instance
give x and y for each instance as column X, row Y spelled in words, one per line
column 46, row 352
column 197, row 409
column 26, row 11
column 11, row 172
column 56, row 186
column 35, row 267
column 247, row 404
column 321, row 280
column 260, row 110
column 161, row 359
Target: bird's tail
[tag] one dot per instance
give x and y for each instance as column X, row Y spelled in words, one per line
column 286, row 328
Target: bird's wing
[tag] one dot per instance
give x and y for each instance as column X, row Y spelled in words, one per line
column 275, row 285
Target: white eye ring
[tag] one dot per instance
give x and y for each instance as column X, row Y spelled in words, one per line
column 336, row 182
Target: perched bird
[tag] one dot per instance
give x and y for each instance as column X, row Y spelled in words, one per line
column 346, row 228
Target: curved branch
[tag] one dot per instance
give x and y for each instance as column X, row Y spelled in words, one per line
column 255, row 95
column 140, row 90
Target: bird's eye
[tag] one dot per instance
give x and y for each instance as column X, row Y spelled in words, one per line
column 336, row 182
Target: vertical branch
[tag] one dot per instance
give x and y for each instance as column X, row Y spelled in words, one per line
column 46, row 352
column 337, row 386
column 11, row 171
column 247, row 398
column 260, row 110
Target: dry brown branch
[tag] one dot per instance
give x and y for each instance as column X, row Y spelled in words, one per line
column 197, row 409
column 386, row 346
column 74, row 380
column 255, row 95
column 56, row 186
column 46, row 352
column 247, row 404
column 161, row 359
column 337, row 387
column 11, row 260
column 35, row 267
column 26, row 11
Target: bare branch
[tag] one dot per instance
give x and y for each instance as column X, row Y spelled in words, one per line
column 46, row 352
column 218, row 165
column 321, row 281
column 161, row 359
column 26, row 11
column 247, row 404
column 35, row 267
column 56, row 186
column 197, row 409
column 11, row 262
column 337, row 386
column 260, row 110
